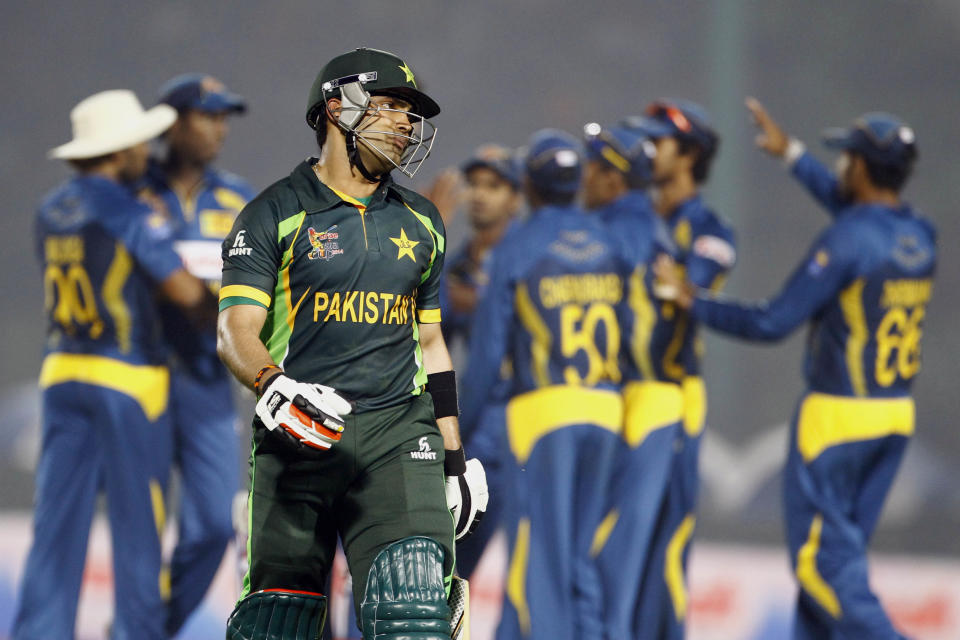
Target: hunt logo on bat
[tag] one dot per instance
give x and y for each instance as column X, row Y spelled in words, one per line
column 325, row 243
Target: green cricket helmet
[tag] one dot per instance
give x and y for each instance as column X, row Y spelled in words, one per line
column 355, row 76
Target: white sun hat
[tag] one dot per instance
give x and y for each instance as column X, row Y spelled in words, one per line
column 111, row 121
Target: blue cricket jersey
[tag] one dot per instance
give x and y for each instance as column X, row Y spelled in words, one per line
column 864, row 285
column 102, row 252
column 552, row 305
column 706, row 251
column 200, row 224
column 647, row 325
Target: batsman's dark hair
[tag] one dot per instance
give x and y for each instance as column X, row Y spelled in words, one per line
column 889, row 176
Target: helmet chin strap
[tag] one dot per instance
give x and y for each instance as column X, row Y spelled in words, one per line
column 354, row 155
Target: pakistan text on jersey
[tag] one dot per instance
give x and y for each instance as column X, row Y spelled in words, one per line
column 368, row 307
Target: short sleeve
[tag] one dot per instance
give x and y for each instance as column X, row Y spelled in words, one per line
column 428, row 293
column 251, row 256
column 712, row 254
column 148, row 236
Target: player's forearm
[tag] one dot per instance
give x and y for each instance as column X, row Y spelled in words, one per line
column 240, row 348
column 192, row 297
column 819, row 181
column 450, row 430
column 436, row 359
column 758, row 321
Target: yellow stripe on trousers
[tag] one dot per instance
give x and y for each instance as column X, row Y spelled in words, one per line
column 533, row 415
column 148, row 385
column 826, row 421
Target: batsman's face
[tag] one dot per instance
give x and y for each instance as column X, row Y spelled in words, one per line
column 386, row 125
column 490, row 199
column 198, row 136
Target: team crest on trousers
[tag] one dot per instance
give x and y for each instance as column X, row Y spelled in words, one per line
column 325, row 244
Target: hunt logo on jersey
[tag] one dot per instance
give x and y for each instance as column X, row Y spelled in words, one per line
column 425, row 452
column 325, row 244
column 240, row 247
column 405, row 245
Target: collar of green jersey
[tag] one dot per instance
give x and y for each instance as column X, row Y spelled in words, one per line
column 315, row 196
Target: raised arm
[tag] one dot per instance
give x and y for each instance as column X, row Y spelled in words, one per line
column 810, row 172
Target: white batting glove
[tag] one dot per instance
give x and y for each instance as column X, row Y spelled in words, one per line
column 467, row 498
column 306, row 415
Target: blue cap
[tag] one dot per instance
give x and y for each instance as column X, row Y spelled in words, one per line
column 683, row 119
column 627, row 150
column 647, row 127
column 553, row 163
column 881, row 138
column 200, row 92
column 497, row 158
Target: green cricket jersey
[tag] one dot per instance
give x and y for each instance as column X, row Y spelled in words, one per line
column 345, row 283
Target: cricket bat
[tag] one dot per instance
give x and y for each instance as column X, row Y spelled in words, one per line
column 459, row 602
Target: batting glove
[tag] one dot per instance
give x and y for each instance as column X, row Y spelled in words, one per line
column 305, row 415
column 467, row 497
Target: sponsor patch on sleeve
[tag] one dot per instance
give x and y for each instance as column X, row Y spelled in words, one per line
column 716, row 249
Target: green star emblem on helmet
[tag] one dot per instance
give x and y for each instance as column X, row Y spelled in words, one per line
column 408, row 73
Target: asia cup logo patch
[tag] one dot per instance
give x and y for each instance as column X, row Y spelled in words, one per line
column 325, row 244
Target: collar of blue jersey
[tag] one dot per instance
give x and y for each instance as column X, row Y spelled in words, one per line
column 689, row 208
column 315, row 196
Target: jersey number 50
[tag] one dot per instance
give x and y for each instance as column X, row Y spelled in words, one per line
column 578, row 332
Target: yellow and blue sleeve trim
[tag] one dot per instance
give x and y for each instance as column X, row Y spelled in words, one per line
column 235, row 294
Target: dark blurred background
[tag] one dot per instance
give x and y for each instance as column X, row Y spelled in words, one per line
column 501, row 69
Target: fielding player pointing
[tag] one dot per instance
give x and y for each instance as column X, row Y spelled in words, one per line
column 330, row 292
column 864, row 285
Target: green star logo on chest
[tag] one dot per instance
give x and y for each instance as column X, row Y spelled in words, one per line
column 405, row 245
